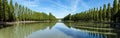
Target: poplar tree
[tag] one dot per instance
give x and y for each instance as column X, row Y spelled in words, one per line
column 16, row 11
column 119, row 1
column 0, row 10
column 100, row 14
column 11, row 12
column 5, row 10
column 97, row 14
column 115, row 6
column 51, row 17
column 119, row 5
column 104, row 12
column 109, row 12
column 94, row 13
column 115, row 10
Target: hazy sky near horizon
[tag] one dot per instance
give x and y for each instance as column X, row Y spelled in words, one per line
column 61, row 8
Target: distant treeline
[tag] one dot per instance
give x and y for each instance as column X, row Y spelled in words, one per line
column 14, row 12
column 107, row 13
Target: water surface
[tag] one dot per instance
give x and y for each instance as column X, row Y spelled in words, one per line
column 60, row 30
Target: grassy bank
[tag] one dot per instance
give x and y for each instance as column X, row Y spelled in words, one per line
column 16, row 22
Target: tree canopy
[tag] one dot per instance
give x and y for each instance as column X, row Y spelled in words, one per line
column 104, row 14
column 14, row 12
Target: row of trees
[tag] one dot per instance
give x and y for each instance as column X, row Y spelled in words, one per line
column 15, row 12
column 102, row 14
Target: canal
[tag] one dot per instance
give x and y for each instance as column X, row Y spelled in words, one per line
column 60, row 30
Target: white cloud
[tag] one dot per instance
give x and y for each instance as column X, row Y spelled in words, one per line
column 75, row 5
column 28, row 3
column 66, row 9
column 84, row 4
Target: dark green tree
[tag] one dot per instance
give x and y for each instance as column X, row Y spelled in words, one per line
column 115, row 6
column 1, row 10
column 51, row 17
column 5, row 10
column 104, row 12
column 97, row 14
column 11, row 12
column 100, row 14
column 115, row 10
column 16, row 11
column 119, row 1
column 109, row 12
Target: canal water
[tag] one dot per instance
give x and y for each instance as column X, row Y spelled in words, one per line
column 60, row 30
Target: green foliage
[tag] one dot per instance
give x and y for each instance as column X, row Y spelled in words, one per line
column 1, row 10
column 5, row 10
column 68, row 17
column 10, row 12
column 101, row 16
column 115, row 6
column 115, row 10
column 51, row 17
column 105, row 14
column 108, row 13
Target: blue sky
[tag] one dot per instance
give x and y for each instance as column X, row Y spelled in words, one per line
column 61, row 8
